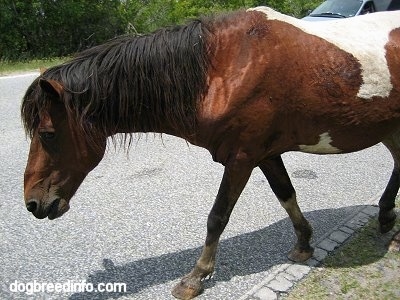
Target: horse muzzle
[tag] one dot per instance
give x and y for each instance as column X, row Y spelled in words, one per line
column 53, row 210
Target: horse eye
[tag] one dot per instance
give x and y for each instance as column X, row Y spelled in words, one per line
column 47, row 136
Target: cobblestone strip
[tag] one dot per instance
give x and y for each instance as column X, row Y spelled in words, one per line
column 283, row 277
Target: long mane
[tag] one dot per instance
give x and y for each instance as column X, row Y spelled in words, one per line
column 133, row 83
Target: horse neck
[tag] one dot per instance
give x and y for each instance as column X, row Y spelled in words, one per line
column 150, row 121
column 149, row 83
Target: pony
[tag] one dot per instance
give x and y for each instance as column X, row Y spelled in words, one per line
column 247, row 86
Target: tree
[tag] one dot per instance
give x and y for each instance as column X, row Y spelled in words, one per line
column 46, row 28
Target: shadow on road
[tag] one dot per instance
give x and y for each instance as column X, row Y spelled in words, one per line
column 244, row 254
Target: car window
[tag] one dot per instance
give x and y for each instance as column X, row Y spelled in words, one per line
column 345, row 8
column 368, row 8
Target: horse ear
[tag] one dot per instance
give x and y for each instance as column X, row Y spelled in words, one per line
column 51, row 87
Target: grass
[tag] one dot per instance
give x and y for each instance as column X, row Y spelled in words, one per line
column 361, row 269
column 10, row 67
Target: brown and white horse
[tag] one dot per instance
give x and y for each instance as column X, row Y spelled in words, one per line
column 247, row 86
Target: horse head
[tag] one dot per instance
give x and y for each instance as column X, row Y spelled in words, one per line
column 60, row 155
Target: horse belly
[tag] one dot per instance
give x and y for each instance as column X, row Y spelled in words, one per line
column 345, row 139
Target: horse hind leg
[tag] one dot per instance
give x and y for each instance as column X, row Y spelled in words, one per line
column 387, row 216
column 278, row 178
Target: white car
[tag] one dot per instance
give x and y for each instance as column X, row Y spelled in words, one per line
column 337, row 9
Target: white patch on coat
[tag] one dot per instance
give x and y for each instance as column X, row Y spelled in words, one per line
column 322, row 147
column 292, row 208
column 364, row 37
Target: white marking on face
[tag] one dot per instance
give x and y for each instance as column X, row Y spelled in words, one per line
column 364, row 37
column 322, row 147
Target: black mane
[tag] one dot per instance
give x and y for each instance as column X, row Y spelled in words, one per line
column 133, row 83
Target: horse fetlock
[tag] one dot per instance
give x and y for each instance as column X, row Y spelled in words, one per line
column 387, row 219
column 304, row 231
column 303, row 234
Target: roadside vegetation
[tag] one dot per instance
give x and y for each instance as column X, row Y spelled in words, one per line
column 16, row 67
column 361, row 269
column 40, row 29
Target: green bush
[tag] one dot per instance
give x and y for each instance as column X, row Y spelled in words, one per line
column 48, row 28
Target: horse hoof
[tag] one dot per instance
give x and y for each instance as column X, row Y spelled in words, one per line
column 298, row 255
column 187, row 288
column 394, row 244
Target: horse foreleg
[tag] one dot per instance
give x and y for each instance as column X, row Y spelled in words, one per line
column 234, row 180
column 278, row 178
column 387, row 216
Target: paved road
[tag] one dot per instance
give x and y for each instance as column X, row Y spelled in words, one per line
column 139, row 218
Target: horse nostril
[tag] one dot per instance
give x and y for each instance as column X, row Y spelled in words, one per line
column 31, row 205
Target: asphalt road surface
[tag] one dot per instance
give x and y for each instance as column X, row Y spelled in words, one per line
column 140, row 217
